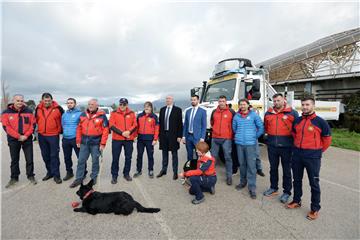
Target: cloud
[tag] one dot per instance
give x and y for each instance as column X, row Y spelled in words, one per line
column 145, row 51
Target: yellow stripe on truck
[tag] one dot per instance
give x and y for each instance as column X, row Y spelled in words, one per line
column 321, row 109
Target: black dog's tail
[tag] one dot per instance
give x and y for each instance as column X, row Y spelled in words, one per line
column 140, row 208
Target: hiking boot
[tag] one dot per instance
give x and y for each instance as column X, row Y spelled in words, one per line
column 151, row 174
column 75, row 183
column 175, row 177
column 12, row 182
column 137, row 174
column 195, row 201
column 252, row 194
column 32, row 180
column 240, row 186
column 271, row 192
column 114, row 180
column 229, row 181
column 293, row 205
column 260, row 173
column 312, row 215
column 128, row 178
column 57, row 180
column 47, row 177
column 68, row 176
column 284, row 198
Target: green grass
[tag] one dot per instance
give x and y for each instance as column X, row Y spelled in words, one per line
column 342, row 138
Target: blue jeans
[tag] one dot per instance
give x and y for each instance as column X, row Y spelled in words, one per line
column 68, row 145
column 190, row 147
column 50, row 148
column 117, row 145
column 247, row 162
column 141, row 145
column 258, row 161
column 200, row 184
column 85, row 151
column 226, row 145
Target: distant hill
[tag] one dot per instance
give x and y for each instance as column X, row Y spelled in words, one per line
column 160, row 103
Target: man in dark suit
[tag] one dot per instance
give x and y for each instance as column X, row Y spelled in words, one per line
column 170, row 135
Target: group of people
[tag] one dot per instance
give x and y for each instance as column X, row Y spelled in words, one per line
column 296, row 142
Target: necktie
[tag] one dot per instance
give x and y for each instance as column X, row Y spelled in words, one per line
column 167, row 118
column 192, row 120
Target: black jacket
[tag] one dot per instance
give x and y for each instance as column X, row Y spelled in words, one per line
column 175, row 129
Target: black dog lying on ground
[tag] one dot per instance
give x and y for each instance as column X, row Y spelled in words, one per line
column 113, row 202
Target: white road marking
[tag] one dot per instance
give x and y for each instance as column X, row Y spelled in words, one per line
column 16, row 188
column 340, row 185
column 158, row 216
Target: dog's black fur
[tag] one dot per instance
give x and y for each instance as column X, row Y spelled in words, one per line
column 190, row 165
column 112, row 202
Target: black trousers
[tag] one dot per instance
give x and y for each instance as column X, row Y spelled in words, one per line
column 15, row 147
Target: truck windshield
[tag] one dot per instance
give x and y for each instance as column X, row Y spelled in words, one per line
column 214, row 91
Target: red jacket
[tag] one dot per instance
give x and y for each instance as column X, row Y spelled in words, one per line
column 221, row 123
column 123, row 121
column 16, row 123
column 49, row 119
column 148, row 126
column 278, row 125
column 205, row 167
column 311, row 135
column 93, row 128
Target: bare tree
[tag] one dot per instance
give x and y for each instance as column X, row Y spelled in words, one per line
column 5, row 95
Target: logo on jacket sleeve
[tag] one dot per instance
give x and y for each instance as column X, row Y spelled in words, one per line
column 311, row 128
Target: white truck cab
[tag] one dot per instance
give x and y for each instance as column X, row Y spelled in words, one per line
column 237, row 78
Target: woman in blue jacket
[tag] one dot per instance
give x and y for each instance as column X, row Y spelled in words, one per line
column 247, row 127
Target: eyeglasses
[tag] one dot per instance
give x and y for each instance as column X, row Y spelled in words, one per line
column 122, row 104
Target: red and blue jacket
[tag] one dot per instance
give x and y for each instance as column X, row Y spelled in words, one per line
column 221, row 123
column 18, row 122
column 49, row 119
column 205, row 167
column 148, row 126
column 312, row 135
column 121, row 121
column 278, row 125
column 93, row 128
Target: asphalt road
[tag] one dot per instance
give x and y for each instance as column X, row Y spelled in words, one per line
column 44, row 211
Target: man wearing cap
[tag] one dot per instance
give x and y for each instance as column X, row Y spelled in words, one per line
column 124, row 125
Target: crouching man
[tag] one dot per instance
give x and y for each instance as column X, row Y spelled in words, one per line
column 203, row 178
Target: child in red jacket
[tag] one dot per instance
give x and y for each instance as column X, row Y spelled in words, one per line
column 203, row 178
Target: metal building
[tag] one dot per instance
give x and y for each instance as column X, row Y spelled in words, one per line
column 329, row 68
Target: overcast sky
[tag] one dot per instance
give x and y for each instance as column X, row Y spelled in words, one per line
column 146, row 51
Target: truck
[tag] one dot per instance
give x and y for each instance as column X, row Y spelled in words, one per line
column 238, row 78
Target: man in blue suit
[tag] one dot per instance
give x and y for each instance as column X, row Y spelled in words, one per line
column 194, row 129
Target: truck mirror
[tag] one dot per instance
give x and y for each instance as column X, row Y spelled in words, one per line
column 192, row 92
